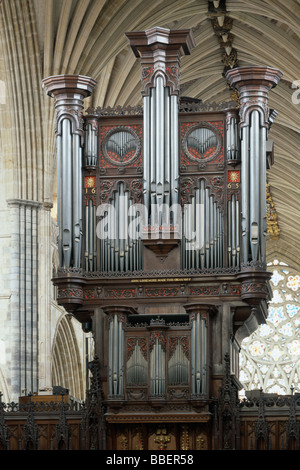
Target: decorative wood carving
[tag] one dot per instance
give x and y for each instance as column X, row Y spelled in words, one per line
column 160, row 51
column 253, row 85
column 69, row 92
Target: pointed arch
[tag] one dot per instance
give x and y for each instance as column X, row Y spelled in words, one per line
column 67, row 362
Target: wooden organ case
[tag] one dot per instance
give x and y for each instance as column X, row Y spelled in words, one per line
column 162, row 228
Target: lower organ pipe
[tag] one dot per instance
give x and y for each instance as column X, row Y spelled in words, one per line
column 116, row 357
column 157, row 370
column 198, row 356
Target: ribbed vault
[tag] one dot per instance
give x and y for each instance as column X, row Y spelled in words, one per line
column 87, row 37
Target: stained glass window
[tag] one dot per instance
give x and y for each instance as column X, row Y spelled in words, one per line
column 270, row 357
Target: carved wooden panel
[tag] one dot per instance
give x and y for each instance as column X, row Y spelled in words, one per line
column 202, row 144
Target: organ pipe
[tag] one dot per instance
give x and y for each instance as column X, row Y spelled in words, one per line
column 160, row 147
column 90, row 144
column 146, row 152
column 263, row 191
column 232, row 137
column 137, row 368
column 253, row 189
column 178, row 367
column 203, row 237
column 69, row 196
column 69, row 92
column 174, row 153
column 255, row 219
column 120, row 248
column 160, row 58
column 116, row 357
column 245, row 193
column 253, row 85
column 66, row 188
column 77, row 200
column 233, row 231
column 59, row 198
column 198, row 354
column 157, row 370
column 90, row 236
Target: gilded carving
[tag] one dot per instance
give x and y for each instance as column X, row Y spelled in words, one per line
column 139, row 439
column 162, row 438
column 201, row 441
column 124, row 443
column 184, row 438
column 272, row 221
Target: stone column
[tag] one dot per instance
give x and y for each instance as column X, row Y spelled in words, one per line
column 24, row 296
column 44, row 298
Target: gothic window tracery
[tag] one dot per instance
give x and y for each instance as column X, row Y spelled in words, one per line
column 270, row 357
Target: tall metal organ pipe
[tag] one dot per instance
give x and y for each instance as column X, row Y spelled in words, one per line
column 232, row 137
column 77, row 200
column 116, row 357
column 178, row 367
column 253, row 84
column 157, row 369
column 233, row 231
column 203, row 232
column 121, row 247
column 198, row 354
column 90, row 143
column 66, row 193
column 245, row 193
column 253, row 189
column 161, row 164
column 160, row 51
column 90, row 236
column 69, row 196
column 69, row 92
column 136, row 368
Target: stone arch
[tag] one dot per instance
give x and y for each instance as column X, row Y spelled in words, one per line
column 67, row 363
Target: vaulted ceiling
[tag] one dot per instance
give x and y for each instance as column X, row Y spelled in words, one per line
column 40, row 38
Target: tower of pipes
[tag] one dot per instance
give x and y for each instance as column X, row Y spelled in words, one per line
column 162, row 240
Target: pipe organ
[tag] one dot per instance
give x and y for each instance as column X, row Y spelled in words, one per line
column 162, row 233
